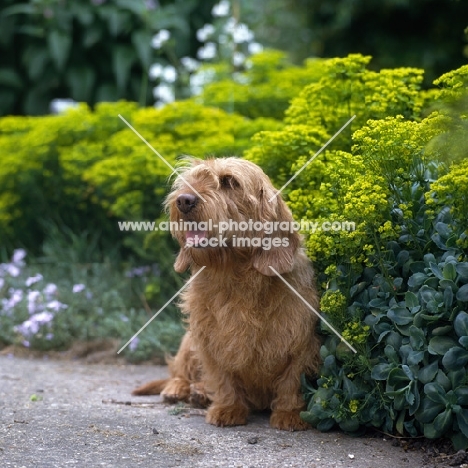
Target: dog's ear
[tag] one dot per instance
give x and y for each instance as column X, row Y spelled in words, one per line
column 183, row 261
column 280, row 257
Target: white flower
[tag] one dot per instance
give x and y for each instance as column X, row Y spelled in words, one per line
column 59, row 106
column 221, row 9
column 238, row 59
column 254, row 48
column 155, row 71
column 198, row 80
column 207, row 52
column 164, row 93
column 189, row 63
column 78, row 288
column 160, row 38
column 242, row 33
column 204, row 33
column 169, row 74
column 33, row 279
column 56, row 306
column 230, row 26
column 18, row 256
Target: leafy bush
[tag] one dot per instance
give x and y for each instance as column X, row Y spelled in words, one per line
column 90, row 51
column 397, row 285
column 265, row 89
column 345, row 88
column 86, row 170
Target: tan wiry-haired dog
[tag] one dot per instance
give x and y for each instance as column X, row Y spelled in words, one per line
column 250, row 337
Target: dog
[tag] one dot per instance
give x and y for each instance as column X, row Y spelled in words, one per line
column 250, row 337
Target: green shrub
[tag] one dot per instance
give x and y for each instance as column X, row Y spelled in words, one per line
column 345, row 88
column 397, row 285
column 265, row 89
column 86, row 170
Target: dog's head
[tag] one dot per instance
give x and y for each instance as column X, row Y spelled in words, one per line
column 225, row 208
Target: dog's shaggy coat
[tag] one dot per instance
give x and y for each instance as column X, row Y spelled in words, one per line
column 250, row 337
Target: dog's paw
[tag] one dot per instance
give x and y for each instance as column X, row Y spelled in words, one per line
column 223, row 416
column 288, row 421
column 198, row 396
column 176, row 390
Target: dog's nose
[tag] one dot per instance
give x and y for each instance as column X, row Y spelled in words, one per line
column 186, row 202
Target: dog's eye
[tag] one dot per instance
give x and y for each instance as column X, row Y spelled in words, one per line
column 228, row 182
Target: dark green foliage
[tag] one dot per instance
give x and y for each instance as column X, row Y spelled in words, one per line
column 89, row 51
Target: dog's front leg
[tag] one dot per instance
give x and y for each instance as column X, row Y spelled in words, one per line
column 288, row 404
column 229, row 407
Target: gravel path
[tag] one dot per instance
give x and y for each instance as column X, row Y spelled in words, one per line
column 70, row 414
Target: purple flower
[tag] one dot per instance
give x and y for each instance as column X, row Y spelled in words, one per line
column 50, row 290
column 56, row 306
column 26, row 343
column 134, row 344
column 18, row 256
column 33, row 296
column 16, row 296
column 49, row 336
column 2, row 283
column 12, row 270
column 78, row 288
column 33, row 279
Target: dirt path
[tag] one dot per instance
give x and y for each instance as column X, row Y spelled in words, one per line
column 69, row 414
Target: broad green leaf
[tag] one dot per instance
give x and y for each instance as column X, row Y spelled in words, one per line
column 326, row 424
column 455, row 358
column 400, row 315
column 448, row 298
column 427, row 293
column 430, row 432
column 428, row 410
column 142, row 43
column 462, row 293
column 381, row 371
column 435, row 393
column 59, row 47
column 459, row 441
column 441, row 344
column 462, row 269
column 417, row 338
column 123, row 58
column 411, row 300
column 462, row 395
column 427, row 373
column 443, row 422
column 449, row 272
column 416, row 280
column 460, row 324
column 349, row 425
column 81, row 81
column 415, row 357
column 436, row 270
